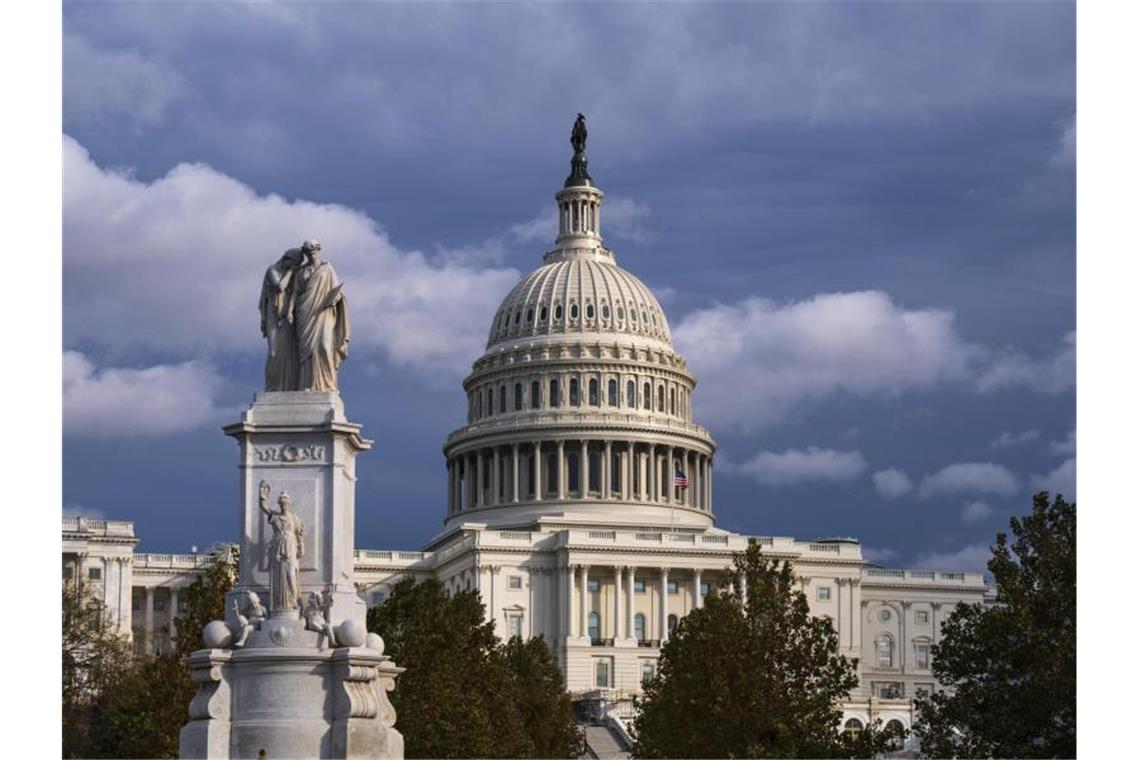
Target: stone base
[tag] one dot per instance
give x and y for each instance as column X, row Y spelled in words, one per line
column 282, row 697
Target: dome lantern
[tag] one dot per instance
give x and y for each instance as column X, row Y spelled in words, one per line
column 579, row 201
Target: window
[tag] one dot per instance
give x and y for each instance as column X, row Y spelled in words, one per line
column 646, row 396
column 593, row 626
column 182, row 606
column 661, row 398
column 551, row 472
column 514, row 582
column 884, row 650
column 478, row 405
column 159, row 604
column 633, row 314
column 921, row 616
column 518, row 315
column 490, row 401
column 95, row 573
column 514, row 625
column 593, row 390
column 602, row 674
column 853, row 727
column 639, row 627
column 885, row 616
column 605, row 311
column 592, row 584
column 823, row 593
column 644, row 318
column 638, row 587
column 136, row 603
column 896, row 725
column 535, row 394
column 518, row 397
column 558, row 313
column 704, row 588
column 589, row 311
column 555, row 400
column 573, row 311
column 631, row 394
column 542, row 314
column 648, row 670
column 377, row 598
column 612, row 393
column 620, row 313
column 68, row 573
column 575, row 399
column 529, row 315
column 671, row 621
column 672, row 401
column 892, row 690
column 671, row 587
column 922, row 655
column 502, row 399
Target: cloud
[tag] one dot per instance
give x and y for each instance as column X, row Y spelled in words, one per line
column 112, row 402
column 1008, row 440
column 1051, row 374
column 974, row 511
column 969, row 477
column 78, row 510
column 972, row 557
column 100, row 84
column 879, row 556
column 757, row 359
column 625, row 219
column 892, row 483
column 794, row 466
column 1065, row 155
column 1066, row 447
column 1061, row 479
column 175, row 265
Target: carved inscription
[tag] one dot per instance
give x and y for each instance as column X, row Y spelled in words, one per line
column 312, row 453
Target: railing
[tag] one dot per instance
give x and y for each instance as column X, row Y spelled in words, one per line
column 763, row 540
column 952, row 576
column 609, row 535
column 682, row 538
column 880, row 573
column 928, row 575
column 601, row 642
column 592, row 416
column 647, row 536
column 368, row 554
column 172, row 560
column 828, row 548
column 514, row 535
column 412, row 555
column 714, row 540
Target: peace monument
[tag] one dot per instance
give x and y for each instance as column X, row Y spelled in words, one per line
column 302, row 678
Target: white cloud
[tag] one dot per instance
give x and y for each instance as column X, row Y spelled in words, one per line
column 1061, row 479
column 101, row 83
column 757, row 359
column 969, row 558
column 78, row 510
column 1008, row 440
column 974, row 511
column 1051, row 374
column 175, row 265
column 892, row 483
column 1065, row 155
column 110, row 402
column 625, row 219
column 969, row 477
column 879, row 556
column 1066, row 447
column 794, row 466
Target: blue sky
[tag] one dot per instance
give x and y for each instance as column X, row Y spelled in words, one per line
column 858, row 217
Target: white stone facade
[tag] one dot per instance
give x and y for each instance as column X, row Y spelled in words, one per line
column 562, row 508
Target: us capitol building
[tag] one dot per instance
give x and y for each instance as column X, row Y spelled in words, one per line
column 564, row 507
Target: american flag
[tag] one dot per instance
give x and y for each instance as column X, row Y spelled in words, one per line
column 680, row 480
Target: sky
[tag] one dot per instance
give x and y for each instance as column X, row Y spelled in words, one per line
column 859, row 218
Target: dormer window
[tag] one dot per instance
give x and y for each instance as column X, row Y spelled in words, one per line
column 573, row 311
column 589, row 311
column 605, row 311
column 542, row 314
column 558, row 313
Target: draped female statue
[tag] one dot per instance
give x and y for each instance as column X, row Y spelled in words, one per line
column 277, row 322
column 286, row 547
column 320, row 321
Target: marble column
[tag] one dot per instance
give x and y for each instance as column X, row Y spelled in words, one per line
column 515, row 472
column 496, row 477
column 670, row 468
column 904, row 640
column 569, row 573
column 584, row 601
column 607, row 470
column 148, row 620
column 480, row 497
column 627, row 492
column 173, row 615
column 742, row 585
column 663, row 622
column 450, row 487
column 618, row 622
column 654, row 480
column 698, row 602
column 709, row 487
column 584, row 470
column 561, row 470
column 631, row 600
column 537, row 472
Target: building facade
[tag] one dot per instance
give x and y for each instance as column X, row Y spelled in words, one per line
column 580, row 501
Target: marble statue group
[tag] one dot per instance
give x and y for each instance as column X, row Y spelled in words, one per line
column 304, row 318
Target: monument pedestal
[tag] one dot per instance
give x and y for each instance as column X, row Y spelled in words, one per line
column 307, row 680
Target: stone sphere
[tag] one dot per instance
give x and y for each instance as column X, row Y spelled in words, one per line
column 375, row 642
column 217, row 635
column 351, row 633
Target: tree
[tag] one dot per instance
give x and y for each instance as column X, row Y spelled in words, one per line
column 765, row 680
column 464, row 694
column 1009, row 670
column 140, row 712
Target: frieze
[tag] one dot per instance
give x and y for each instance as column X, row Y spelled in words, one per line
column 290, row 453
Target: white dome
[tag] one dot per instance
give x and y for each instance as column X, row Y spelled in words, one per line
column 577, row 294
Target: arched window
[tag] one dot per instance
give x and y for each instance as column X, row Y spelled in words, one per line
column 518, row 397
column 646, row 396
column 530, row 315
column 853, row 727
column 672, row 401
column 631, row 394
column 478, row 404
column 573, row 311
column 884, row 650
column 620, row 313
column 639, row 627
column 542, row 313
column 490, row 401
column 518, row 316
column 660, row 398
column 633, row 315
column 552, row 473
column 593, row 626
column 555, row 400
column 589, row 311
column 595, row 472
column 535, row 394
column 572, row 470
column 605, row 311
column 612, row 393
column 671, row 621
column 593, row 391
column 558, row 313
column 502, row 399
column 895, row 725
column 575, row 398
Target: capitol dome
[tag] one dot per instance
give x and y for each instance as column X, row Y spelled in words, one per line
column 580, row 408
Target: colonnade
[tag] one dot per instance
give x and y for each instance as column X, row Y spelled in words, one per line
column 599, row 390
column 537, row 471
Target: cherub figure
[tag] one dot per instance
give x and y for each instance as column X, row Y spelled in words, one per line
column 254, row 614
column 317, row 616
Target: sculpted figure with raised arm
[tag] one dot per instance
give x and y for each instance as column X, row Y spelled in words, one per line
column 286, row 547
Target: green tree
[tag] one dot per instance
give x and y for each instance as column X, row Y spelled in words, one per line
column 464, row 694
column 1009, row 670
column 94, row 656
column 141, row 713
column 762, row 681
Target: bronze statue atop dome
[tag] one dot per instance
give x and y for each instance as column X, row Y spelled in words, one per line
column 579, row 175
column 578, row 135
